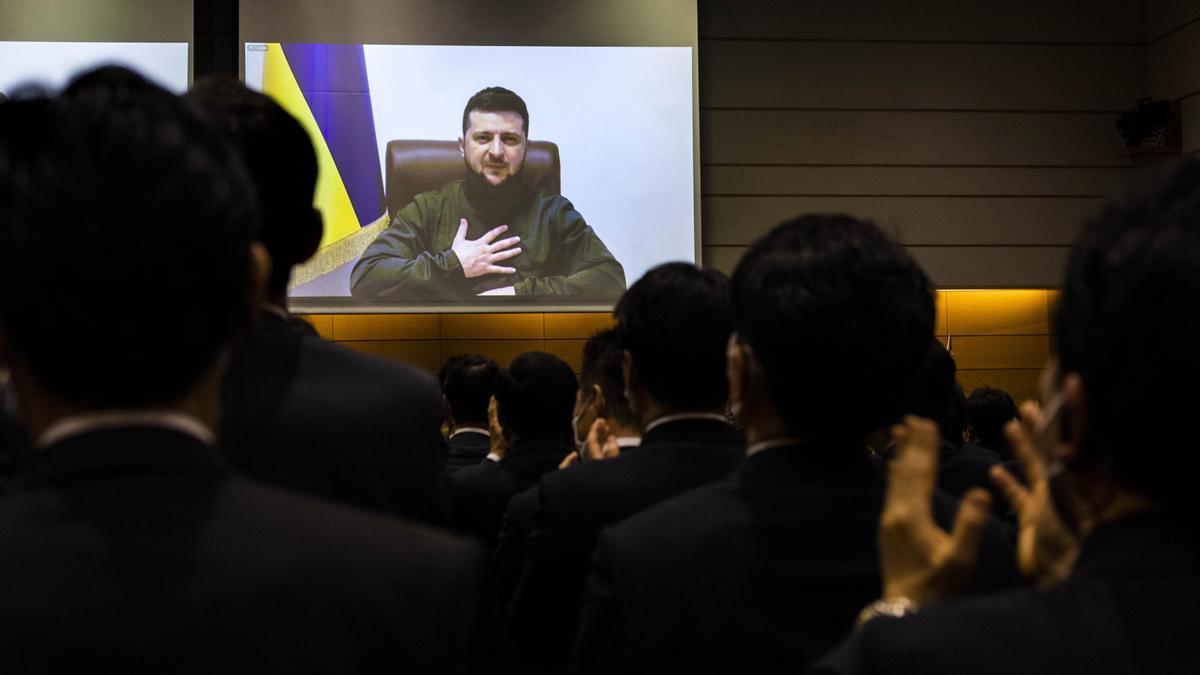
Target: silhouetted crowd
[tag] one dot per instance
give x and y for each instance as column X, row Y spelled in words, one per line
column 772, row 472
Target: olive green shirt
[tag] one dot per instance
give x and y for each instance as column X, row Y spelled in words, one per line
column 411, row 261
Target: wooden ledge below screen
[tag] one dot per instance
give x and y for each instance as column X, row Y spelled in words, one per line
column 999, row 338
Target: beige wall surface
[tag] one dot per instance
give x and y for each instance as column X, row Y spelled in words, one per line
column 979, row 133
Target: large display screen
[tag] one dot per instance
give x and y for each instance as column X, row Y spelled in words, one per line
column 598, row 186
column 52, row 64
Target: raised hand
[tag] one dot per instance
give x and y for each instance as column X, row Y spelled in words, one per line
column 1046, row 549
column 479, row 256
column 601, row 443
column 920, row 561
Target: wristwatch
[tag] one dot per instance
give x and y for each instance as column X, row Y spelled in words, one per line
column 893, row 607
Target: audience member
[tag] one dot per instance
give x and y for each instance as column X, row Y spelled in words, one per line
column 299, row 412
column 534, row 396
column 601, row 395
column 988, row 411
column 467, row 387
column 126, row 271
column 672, row 325
column 764, row 571
column 1108, row 536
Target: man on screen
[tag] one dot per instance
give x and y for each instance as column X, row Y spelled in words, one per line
column 490, row 233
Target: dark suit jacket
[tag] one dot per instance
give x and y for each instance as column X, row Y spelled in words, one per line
column 1131, row 606
column 563, row 515
column 759, row 573
column 481, row 492
column 136, row 550
column 317, row 418
column 466, row 449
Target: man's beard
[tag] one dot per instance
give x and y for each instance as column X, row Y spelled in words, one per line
column 497, row 203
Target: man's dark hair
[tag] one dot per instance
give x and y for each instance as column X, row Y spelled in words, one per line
column 468, row 385
column 535, row 397
column 675, row 323
column 281, row 162
column 125, row 224
column 1127, row 325
column 934, row 392
column 602, row 358
column 988, row 410
column 496, row 99
column 839, row 316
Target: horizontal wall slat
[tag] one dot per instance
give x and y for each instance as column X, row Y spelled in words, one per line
column 957, row 266
column 912, row 220
column 1173, row 64
column 984, row 20
column 584, row 325
column 959, row 138
column 1162, row 16
column 503, row 351
column 919, row 76
column 917, row 181
column 492, row 326
column 1000, row 351
column 386, row 327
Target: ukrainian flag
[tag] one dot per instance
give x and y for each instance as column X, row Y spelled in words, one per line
column 326, row 88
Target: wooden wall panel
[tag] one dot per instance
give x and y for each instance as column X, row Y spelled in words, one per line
column 424, row 353
column 911, row 220
column 386, row 326
column 909, row 138
column 898, row 181
column 493, row 326
column 1021, row 384
column 582, row 325
column 502, row 350
column 1000, row 351
column 919, row 76
column 1114, row 21
column 322, row 323
column 1015, row 312
column 570, row 351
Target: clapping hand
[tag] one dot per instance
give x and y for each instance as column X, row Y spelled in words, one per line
column 1046, row 549
column 921, row 562
column 479, row 256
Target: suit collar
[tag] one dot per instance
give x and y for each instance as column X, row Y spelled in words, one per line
column 692, row 430
column 120, row 450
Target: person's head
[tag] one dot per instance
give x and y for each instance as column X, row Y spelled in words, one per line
column 282, row 165
column 126, row 264
column 495, row 134
column 833, row 320
column 534, row 397
column 601, row 386
column 468, row 385
column 988, row 410
column 933, row 392
column 672, row 325
column 1126, row 336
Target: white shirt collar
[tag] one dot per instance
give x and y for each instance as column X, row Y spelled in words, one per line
column 771, row 443
column 628, row 441
column 470, row 430
column 278, row 311
column 685, row 416
column 74, row 425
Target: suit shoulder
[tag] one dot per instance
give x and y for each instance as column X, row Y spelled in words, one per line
column 695, row 514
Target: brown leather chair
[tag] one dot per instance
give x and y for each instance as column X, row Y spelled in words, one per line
column 413, row 167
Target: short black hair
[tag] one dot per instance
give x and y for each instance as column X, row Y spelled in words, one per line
column 125, row 224
column 934, row 392
column 675, row 323
column 468, row 385
column 279, row 157
column 840, row 317
column 535, row 397
column 602, row 361
column 1127, row 324
column 496, row 99
column 988, row 411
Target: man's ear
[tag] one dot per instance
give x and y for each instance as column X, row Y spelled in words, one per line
column 314, row 229
column 629, row 373
column 1073, row 447
column 598, row 401
column 462, row 146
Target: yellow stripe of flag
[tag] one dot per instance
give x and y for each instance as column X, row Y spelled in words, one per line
column 331, row 196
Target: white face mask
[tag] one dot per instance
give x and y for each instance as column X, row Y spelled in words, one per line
column 580, row 444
